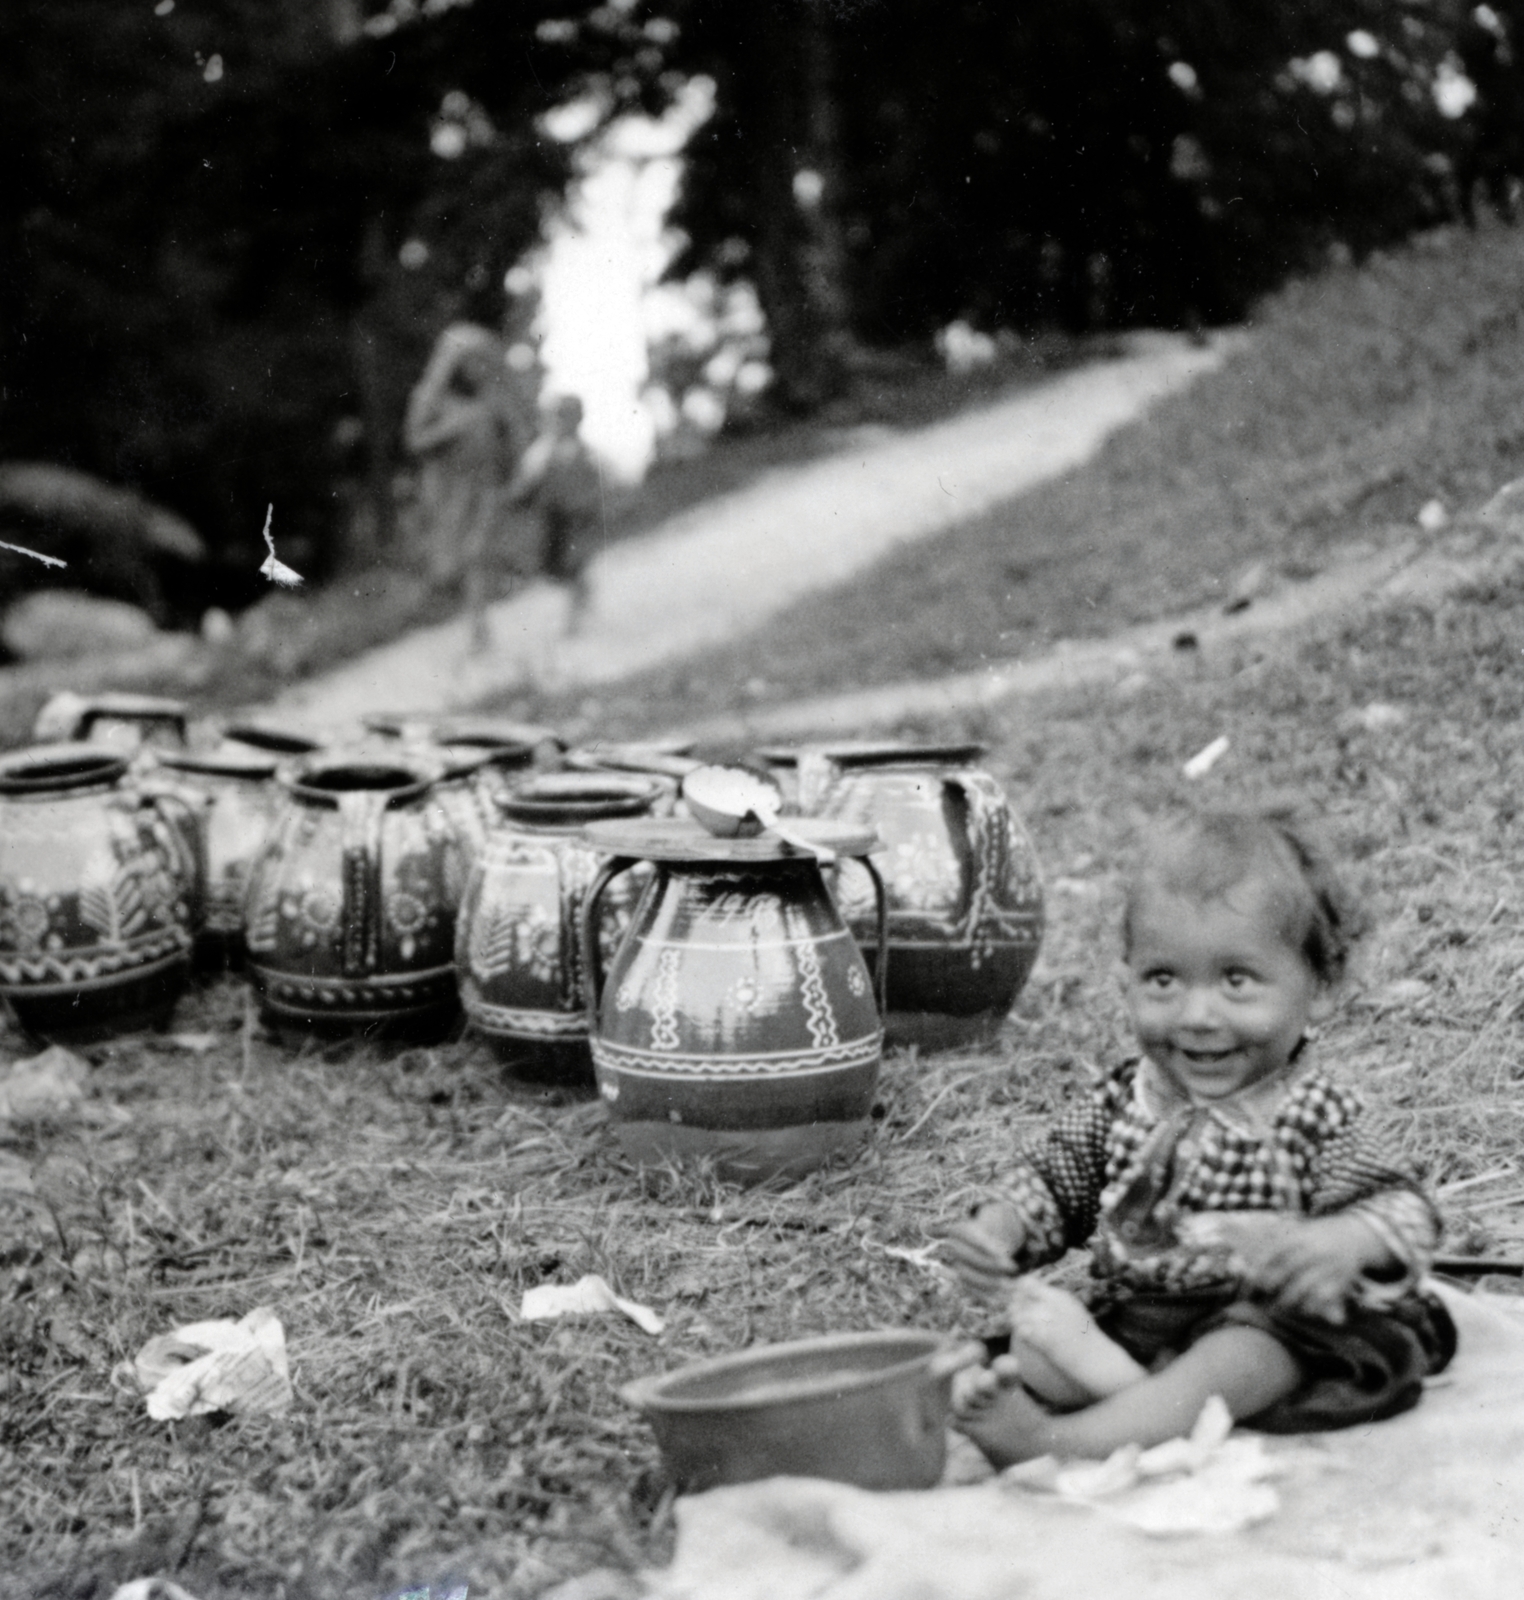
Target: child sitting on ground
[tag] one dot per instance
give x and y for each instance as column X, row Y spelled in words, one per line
column 1251, row 1236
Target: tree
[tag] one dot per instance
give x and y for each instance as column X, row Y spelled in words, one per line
column 205, row 271
column 1101, row 163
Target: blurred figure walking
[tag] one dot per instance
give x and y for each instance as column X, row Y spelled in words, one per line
column 467, row 426
column 560, row 478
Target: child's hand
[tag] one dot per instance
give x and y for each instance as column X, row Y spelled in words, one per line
column 1308, row 1264
column 983, row 1249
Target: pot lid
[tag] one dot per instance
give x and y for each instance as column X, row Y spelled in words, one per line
column 681, row 839
column 875, row 752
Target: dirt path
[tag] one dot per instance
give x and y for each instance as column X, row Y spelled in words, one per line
column 726, row 566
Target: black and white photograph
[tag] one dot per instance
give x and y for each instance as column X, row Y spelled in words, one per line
column 760, row 800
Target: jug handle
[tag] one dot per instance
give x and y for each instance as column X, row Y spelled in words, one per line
column 187, row 833
column 881, row 917
column 360, row 814
column 983, row 800
column 592, row 963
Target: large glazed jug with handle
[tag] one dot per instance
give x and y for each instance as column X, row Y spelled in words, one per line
column 965, row 900
column 517, row 951
column 99, row 887
column 738, row 1023
column 350, row 915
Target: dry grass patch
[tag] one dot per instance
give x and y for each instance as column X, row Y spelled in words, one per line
column 392, row 1206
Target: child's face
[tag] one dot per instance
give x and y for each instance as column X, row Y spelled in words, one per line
column 1218, row 998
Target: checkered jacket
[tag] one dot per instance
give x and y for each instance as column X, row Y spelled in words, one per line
column 1318, row 1156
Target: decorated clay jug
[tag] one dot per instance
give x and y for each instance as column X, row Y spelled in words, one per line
column 98, row 888
column 235, row 792
column 738, row 1021
column 965, row 900
column 351, row 905
column 516, row 950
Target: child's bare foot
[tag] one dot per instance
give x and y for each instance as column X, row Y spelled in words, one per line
column 999, row 1415
column 1053, row 1324
column 976, row 1389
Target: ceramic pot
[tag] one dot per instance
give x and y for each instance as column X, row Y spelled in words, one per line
column 863, row 1408
column 965, row 899
column 738, row 1022
column 235, row 792
column 132, row 722
column 516, row 950
column 351, row 905
column 98, row 887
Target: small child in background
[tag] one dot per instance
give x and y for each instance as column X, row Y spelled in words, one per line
column 1251, row 1235
column 560, row 477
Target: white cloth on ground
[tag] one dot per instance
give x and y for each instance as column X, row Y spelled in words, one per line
column 1424, row 1506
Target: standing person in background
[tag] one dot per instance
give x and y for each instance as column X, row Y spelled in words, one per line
column 560, row 478
column 467, row 427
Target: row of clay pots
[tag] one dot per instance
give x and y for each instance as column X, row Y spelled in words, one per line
column 382, row 885
column 338, row 872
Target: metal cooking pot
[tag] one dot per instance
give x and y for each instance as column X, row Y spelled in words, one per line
column 864, row 1408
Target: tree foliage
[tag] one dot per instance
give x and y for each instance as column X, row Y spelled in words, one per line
column 1103, row 162
column 202, row 280
column 233, row 227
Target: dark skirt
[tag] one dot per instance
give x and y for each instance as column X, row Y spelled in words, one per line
column 1369, row 1367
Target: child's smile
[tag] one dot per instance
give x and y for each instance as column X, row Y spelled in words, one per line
column 1219, row 999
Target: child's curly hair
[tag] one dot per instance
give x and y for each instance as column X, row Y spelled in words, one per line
column 1202, row 856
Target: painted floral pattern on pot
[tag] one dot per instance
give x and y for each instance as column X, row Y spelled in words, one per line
column 517, row 951
column 98, row 892
column 737, row 1022
column 352, row 901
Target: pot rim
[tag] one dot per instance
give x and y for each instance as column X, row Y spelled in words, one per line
column 278, row 741
column 569, row 799
column 44, row 769
column 410, row 781
column 878, row 753
column 441, row 730
column 652, row 1394
column 221, row 764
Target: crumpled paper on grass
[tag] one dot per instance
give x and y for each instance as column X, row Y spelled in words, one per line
column 588, row 1296
column 217, row 1366
column 1209, row 1482
column 151, row 1589
column 43, row 1088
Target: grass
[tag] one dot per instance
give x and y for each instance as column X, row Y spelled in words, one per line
column 1365, row 394
column 392, row 1206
